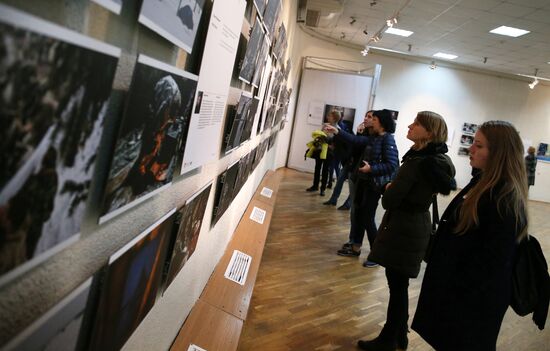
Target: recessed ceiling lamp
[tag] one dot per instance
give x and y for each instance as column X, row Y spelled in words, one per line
column 390, row 22
column 400, row 32
column 509, row 31
column 445, row 56
column 433, row 65
column 365, row 51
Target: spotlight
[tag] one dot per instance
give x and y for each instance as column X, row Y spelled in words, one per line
column 376, row 38
column 342, row 36
column 353, row 20
column 365, row 51
column 389, row 23
column 535, row 82
column 373, row 3
column 365, row 32
column 433, row 65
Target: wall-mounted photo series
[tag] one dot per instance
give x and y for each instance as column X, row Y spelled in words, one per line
column 130, row 286
column 59, row 328
column 467, row 138
column 188, row 225
column 56, row 85
column 112, row 5
column 154, row 127
column 236, row 120
column 252, row 54
column 224, row 192
column 175, row 20
column 279, row 49
column 271, row 17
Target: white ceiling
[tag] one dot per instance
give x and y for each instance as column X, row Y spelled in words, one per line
column 459, row 27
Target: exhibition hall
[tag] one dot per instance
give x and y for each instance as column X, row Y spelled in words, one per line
column 218, row 175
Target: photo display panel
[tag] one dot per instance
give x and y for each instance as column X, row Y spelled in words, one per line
column 188, row 224
column 260, row 5
column 175, row 20
column 280, row 43
column 112, row 5
column 213, row 89
column 130, row 286
column 233, row 136
column 153, row 128
column 56, row 86
column 271, row 16
column 59, row 328
column 224, row 191
column 252, row 53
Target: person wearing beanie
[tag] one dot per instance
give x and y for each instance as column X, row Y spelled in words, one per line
column 376, row 167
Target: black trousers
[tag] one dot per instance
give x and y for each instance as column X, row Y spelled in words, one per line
column 321, row 172
column 363, row 217
column 398, row 306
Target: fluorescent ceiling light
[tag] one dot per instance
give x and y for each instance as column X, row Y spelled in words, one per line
column 509, row 31
column 445, row 56
column 401, row 32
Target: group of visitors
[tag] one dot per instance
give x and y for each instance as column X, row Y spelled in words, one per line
column 466, row 287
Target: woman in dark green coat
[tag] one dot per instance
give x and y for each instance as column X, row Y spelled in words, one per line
column 405, row 230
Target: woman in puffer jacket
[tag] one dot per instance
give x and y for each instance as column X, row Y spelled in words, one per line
column 405, row 230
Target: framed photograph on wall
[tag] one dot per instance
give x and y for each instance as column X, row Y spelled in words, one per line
column 112, row 5
column 130, row 286
column 466, row 139
column 469, row 128
column 187, row 225
column 252, row 54
column 175, row 20
column 57, row 84
column 464, row 151
column 154, row 127
column 59, row 328
column 347, row 113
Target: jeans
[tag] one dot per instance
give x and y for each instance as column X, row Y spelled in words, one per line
column 339, row 184
column 362, row 217
column 398, row 306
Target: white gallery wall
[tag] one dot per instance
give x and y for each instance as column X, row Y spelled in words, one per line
column 458, row 95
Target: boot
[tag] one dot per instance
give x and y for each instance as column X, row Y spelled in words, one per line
column 386, row 341
column 402, row 339
column 377, row 344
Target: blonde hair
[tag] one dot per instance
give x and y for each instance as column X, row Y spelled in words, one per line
column 505, row 168
column 336, row 114
column 435, row 125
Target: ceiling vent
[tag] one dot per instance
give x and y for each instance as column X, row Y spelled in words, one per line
column 320, row 13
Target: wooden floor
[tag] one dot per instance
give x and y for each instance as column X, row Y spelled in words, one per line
column 308, row 298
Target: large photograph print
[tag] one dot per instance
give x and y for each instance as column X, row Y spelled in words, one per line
column 153, row 129
column 55, row 86
column 130, row 286
column 347, row 114
column 175, row 20
column 189, row 221
column 252, row 53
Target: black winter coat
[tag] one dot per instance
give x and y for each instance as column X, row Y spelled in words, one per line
column 467, row 283
column 405, row 230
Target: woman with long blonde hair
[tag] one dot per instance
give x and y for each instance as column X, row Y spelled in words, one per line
column 467, row 283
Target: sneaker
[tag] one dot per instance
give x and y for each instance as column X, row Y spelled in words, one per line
column 348, row 252
column 322, row 193
column 370, row 264
column 312, row 188
column 344, row 207
column 330, row 203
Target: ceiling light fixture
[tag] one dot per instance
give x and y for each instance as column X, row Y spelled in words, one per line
column 365, row 32
column 509, row 31
column 432, row 65
column 445, row 56
column 534, row 83
column 342, row 36
column 365, row 51
column 485, row 60
column 353, row 20
column 400, row 32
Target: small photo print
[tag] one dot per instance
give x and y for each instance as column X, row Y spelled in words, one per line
column 466, row 139
column 469, row 128
column 198, row 102
column 464, row 151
